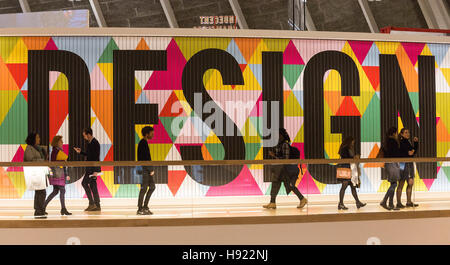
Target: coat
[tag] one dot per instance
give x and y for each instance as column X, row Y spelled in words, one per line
column 58, row 178
column 35, row 177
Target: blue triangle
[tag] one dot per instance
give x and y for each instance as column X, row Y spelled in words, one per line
column 142, row 99
column 366, row 186
column 25, row 85
column 202, row 129
column 233, row 49
column 88, row 48
column 378, row 94
column 257, row 72
column 373, row 57
column 439, row 51
column 299, row 95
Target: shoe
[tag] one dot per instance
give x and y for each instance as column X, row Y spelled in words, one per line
column 303, row 202
column 383, row 204
column 90, row 207
column 40, row 215
column 65, row 212
column 400, row 205
column 341, row 206
column 270, row 206
column 393, row 208
column 140, row 212
column 147, row 211
column 411, row 204
column 360, row 204
column 96, row 209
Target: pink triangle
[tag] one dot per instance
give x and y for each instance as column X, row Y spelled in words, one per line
column 161, row 136
column 53, row 76
column 243, row 185
column 300, row 147
column 102, row 189
column 428, row 183
column 418, row 120
column 437, row 120
column 257, row 110
column 18, row 157
column 169, row 79
column 309, row 48
column 413, row 50
column 361, row 49
column 307, row 185
column 51, row 45
column 188, row 134
column 98, row 80
column 291, row 55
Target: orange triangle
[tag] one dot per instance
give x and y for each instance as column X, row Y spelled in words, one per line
column 348, row 108
column 334, row 99
column 7, row 190
column 247, row 46
column 442, row 132
column 286, row 94
column 373, row 154
column 175, row 179
column 173, row 104
column 35, row 43
column 206, row 154
column 137, row 94
column 7, row 81
column 103, row 111
column 142, row 45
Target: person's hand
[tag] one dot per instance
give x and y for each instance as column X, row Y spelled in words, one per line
column 95, row 174
column 78, row 150
column 416, row 139
column 411, row 152
column 152, row 173
column 271, row 153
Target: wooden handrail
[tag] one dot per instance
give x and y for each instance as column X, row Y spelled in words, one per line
column 222, row 162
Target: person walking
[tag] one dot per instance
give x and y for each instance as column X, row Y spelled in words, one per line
column 59, row 176
column 346, row 151
column 89, row 182
column 35, row 177
column 148, row 183
column 407, row 173
column 391, row 149
column 284, row 173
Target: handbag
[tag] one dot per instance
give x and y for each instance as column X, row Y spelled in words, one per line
column 343, row 173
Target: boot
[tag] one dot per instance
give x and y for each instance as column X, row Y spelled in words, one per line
column 140, row 211
column 341, row 206
column 400, row 205
column 384, row 205
column 360, row 204
column 90, row 208
column 303, row 202
column 147, row 211
column 65, row 212
column 411, row 204
column 271, row 205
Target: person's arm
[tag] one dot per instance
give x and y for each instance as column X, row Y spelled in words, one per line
column 285, row 150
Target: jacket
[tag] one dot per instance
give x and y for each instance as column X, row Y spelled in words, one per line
column 391, row 148
column 35, row 177
column 34, row 153
column 144, row 155
column 406, row 146
column 59, row 173
column 92, row 154
column 345, row 153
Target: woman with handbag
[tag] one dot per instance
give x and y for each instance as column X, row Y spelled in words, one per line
column 36, row 177
column 407, row 173
column 58, row 179
column 284, row 173
column 391, row 148
column 347, row 150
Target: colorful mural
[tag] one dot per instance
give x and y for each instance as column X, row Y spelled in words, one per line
column 165, row 89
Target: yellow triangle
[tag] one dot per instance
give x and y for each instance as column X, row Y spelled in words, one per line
column 215, row 81
column 329, row 137
column 446, row 74
column 291, row 107
column 212, row 139
column 363, row 101
column 250, row 82
column 190, row 46
column 333, row 81
column 332, row 149
column 442, row 149
column 257, row 54
column 108, row 179
column 250, row 133
column 364, row 82
column 426, row 51
column 299, row 138
column 24, row 146
column 92, row 120
column 259, row 156
column 442, row 100
column 320, row 185
column 19, row 54
column 384, row 186
column 61, row 83
column 159, row 151
column 386, row 47
column 137, row 86
column 107, row 70
column 18, row 180
column 399, row 124
column 418, row 183
column 7, row 98
column 7, row 45
column 276, row 45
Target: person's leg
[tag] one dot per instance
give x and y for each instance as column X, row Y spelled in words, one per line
column 142, row 192
column 401, row 183
column 276, row 185
column 51, row 196
column 87, row 189
column 391, row 192
column 96, row 196
column 354, row 193
column 150, row 191
column 62, row 194
column 42, row 194
column 342, row 191
column 38, row 204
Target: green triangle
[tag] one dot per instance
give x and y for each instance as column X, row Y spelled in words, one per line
column 370, row 121
column 291, row 107
column 107, row 55
column 127, row 191
column 167, row 123
column 447, row 172
column 216, row 150
column 282, row 190
column 258, row 123
column 251, row 150
column 292, row 72
column 136, row 138
column 414, row 97
column 14, row 128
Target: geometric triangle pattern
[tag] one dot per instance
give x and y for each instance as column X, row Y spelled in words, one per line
column 179, row 125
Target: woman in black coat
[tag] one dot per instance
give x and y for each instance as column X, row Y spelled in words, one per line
column 347, row 150
column 391, row 148
column 407, row 174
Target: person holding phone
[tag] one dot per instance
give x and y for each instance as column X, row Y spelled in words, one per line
column 148, row 183
column 89, row 182
column 407, row 173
